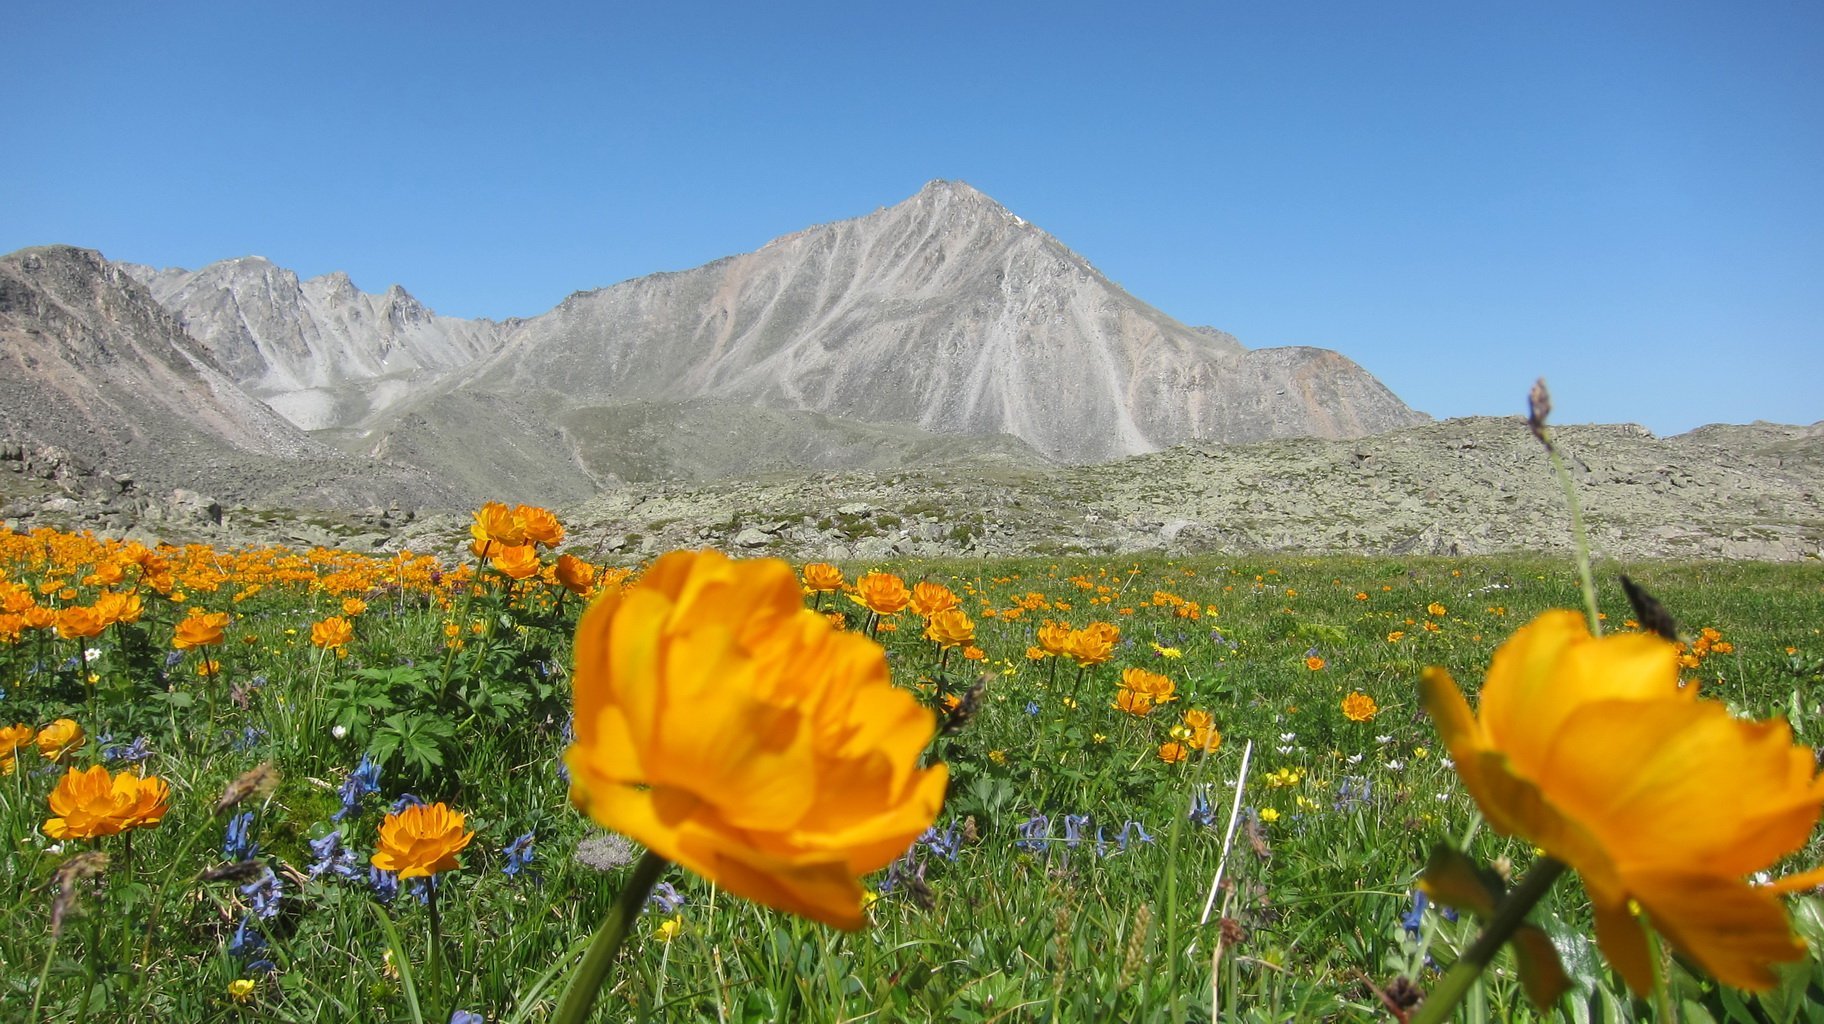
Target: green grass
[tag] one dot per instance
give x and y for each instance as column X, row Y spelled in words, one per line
column 1016, row 926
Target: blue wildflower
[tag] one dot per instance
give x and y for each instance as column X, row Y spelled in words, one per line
column 1352, row 791
column 239, row 844
column 1133, row 830
column 1074, row 824
column 333, row 856
column 1201, row 811
column 363, row 780
column 265, row 894
column 1413, row 918
column 249, row 946
column 519, row 854
column 385, row 884
column 466, row 1017
column 944, row 844
column 131, row 753
column 1034, row 831
column 1032, row 707
column 666, row 897
column 407, row 800
column 172, row 658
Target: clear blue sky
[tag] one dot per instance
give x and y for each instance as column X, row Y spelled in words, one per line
column 1627, row 199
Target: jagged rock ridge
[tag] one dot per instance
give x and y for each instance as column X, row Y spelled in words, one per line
column 321, row 352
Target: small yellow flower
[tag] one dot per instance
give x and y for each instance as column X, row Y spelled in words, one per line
column 1268, row 815
column 673, row 926
column 240, row 989
column 1434, row 608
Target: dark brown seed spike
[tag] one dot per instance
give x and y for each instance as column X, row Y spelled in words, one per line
column 1651, row 615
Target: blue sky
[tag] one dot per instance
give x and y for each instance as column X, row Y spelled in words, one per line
column 1626, row 199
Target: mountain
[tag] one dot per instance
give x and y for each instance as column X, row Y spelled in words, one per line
column 321, row 352
column 95, row 370
column 944, row 316
column 943, row 330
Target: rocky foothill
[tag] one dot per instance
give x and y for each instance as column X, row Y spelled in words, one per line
column 1457, row 487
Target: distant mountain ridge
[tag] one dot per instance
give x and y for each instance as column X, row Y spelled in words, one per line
column 941, row 328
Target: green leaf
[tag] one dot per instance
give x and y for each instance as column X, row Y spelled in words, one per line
column 1541, row 974
column 1453, row 879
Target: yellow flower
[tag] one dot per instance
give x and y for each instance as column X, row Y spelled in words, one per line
column 950, row 627
column 1167, row 652
column 930, row 598
column 199, row 629
column 539, row 525
column 333, row 632
column 822, row 577
column 1268, row 815
column 882, row 592
column 576, row 575
column 240, row 989
column 1592, row 751
column 59, row 738
column 516, row 561
column 421, row 840
column 670, row 928
column 1359, row 707
column 495, row 525
column 726, row 727
column 95, row 803
column 1434, row 608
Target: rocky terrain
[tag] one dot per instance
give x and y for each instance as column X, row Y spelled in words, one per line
column 1458, row 487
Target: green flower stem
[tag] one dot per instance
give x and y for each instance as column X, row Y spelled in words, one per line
column 434, row 966
column 1509, row 915
column 1577, row 531
column 586, row 983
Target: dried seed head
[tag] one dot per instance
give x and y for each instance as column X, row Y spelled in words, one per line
column 966, row 706
column 237, row 872
column 259, row 781
column 1652, row 615
column 1133, row 957
column 1233, row 932
column 972, row 833
column 79, row 868
column 1538, row 409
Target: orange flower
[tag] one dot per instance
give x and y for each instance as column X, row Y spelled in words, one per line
column 1314, row 663
column 332, row 633
column 576, row 575
column 730, row 729
column 353, row 606
column 94, row 803
column 1173, row 752
column 495, row 526
column 517, row 561
column 822, row 577
column 79, row 622
column 539, row 525
column 421, row 841
column 1359, row 707
column 950, row 628
column 1094, row 644
column 114, row 606
column 1054, row 637
column 199, row 629
column 1590, row 749
column 974, row 653
column 12, row 738
column 59, row 738
column 882, row 593
column 930, row 598
column 1134, row 702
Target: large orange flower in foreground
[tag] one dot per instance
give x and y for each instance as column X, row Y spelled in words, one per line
column 728, row 728
column 421, row 840
column 94, row 803
column 1591, row 750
